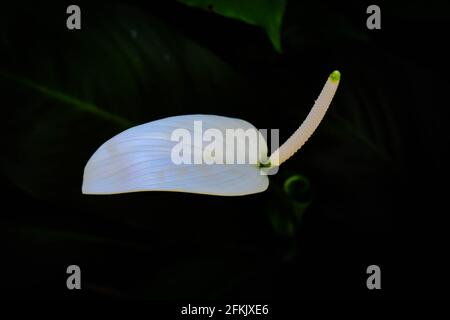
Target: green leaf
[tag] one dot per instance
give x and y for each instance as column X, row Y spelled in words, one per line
column 267, row 14
column 71, row 101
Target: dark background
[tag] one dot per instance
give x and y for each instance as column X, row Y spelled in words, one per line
column 376, row 168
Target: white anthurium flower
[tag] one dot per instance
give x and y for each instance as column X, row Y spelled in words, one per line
column 205, row 154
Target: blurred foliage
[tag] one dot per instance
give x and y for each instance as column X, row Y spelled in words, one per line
column 297, row 187
column 293, row 197
column 267, row 14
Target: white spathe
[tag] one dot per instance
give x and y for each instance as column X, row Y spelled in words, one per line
column 139, row 159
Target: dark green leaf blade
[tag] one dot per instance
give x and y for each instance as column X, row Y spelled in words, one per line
column 267, row 14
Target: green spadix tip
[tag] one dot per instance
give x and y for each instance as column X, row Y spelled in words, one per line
column 335, row 76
